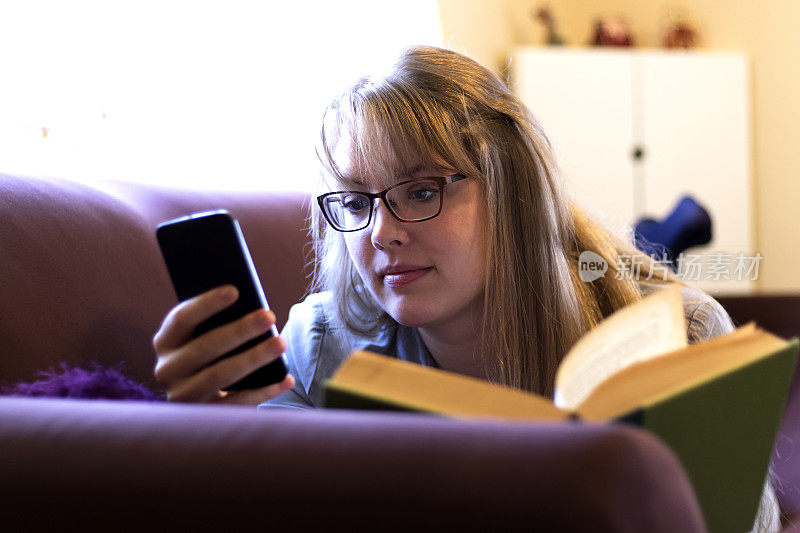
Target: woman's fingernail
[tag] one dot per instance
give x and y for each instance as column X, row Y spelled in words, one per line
column 262, row 320
column 229, row 293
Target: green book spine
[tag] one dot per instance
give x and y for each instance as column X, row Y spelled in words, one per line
column 723, row 432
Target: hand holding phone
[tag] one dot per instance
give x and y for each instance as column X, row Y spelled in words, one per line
column 209, row 337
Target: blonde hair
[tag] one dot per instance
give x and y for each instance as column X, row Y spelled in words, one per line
column 439, row 108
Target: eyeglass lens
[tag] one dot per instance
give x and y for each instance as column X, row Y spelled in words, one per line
column 415, row 200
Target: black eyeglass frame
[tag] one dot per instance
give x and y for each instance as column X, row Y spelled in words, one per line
column 441, row 181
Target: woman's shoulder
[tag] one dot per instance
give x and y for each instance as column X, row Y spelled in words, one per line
column 309, row 330
column 317, row 315
column 314, row 308
column 705, row 317
column 318, row 343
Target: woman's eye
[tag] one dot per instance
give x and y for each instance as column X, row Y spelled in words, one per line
column 423, row 194
column 354, row 203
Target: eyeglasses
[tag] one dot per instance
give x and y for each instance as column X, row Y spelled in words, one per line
column 413, row 200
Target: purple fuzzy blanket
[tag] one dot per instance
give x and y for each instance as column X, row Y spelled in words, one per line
column 98, row 382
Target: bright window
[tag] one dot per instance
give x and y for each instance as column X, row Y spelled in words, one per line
column 199, row 94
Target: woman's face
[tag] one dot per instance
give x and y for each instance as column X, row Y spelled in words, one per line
column 426, row 274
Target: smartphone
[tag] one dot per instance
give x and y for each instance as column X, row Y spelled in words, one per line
column 204, row 251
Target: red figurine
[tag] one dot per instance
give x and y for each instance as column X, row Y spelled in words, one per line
column 679, row 32
column 612, row 31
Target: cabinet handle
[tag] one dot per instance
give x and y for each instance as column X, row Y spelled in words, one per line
column 637, row 153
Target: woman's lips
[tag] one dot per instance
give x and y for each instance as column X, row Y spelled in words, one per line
column 400, row 279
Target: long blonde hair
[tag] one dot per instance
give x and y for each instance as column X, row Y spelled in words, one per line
column 437, row 107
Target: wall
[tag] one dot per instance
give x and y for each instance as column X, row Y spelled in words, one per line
column 767, row 31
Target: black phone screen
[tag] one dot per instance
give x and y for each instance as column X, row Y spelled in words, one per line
column 204, row 251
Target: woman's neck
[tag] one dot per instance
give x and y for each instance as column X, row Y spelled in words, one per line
column 455, row 350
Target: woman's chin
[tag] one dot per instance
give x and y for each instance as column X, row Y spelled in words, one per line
column 429, row 311
column 412, row 316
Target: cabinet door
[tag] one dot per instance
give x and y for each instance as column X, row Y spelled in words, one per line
column 583, row 101
column 695, row 125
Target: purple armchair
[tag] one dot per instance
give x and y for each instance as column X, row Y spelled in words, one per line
column 82, row 280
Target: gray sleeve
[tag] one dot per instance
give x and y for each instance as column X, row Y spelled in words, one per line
column 708, row 319
column 705, row 317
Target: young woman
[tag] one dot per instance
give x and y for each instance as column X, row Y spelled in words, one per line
column 444, row 238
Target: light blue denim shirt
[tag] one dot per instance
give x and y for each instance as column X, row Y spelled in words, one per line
column 317, row 344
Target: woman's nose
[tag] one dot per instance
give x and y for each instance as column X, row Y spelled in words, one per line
column 387, row 231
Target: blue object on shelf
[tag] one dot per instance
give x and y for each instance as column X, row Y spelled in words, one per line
column 689, row 224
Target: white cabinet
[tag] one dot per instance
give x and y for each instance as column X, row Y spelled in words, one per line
column 688, row 115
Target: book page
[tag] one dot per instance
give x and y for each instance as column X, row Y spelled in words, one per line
column 665, row 376
column 653, row 326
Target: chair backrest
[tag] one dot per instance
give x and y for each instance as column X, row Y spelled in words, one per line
column 82, row 278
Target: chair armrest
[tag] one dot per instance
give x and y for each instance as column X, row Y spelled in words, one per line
column 143, row 464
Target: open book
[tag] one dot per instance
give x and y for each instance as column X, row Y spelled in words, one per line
column 717, row 404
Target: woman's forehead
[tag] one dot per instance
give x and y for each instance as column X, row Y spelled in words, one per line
column 355, row 167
